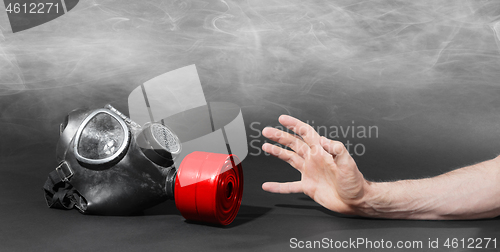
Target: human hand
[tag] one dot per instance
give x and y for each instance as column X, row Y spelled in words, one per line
column 329, row 174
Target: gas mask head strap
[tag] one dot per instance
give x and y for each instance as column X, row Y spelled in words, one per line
column 59, row 193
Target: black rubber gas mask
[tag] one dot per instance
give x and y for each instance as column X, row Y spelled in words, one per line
column 110, row 165
column 178, row 146
column 104, row 164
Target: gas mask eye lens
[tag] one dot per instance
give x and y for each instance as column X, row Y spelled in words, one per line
column 101, row 138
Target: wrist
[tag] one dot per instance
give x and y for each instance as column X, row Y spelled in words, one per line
column 390, row 200
column 373, row 202
column 369, row 204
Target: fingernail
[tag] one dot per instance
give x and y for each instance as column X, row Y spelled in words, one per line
column 283, row 117
column 338, row 149
column 265, row 129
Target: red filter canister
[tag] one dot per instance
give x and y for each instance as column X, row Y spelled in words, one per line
column 209, row 187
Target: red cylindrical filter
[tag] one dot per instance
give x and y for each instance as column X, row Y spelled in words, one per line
column 209, row 187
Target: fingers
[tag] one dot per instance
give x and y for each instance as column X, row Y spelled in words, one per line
column 283, row 188
column 286, row 139
column 336, row 149
column 304, row 130
column 288, row 156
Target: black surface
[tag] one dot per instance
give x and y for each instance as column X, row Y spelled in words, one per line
column 426, row 74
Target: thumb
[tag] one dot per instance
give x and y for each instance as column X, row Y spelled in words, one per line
column 348, row 179
column 336, row 149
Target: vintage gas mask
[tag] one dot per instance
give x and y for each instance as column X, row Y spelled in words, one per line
column 110, row 165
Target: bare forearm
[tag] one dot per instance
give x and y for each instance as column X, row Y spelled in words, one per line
column 471, row 192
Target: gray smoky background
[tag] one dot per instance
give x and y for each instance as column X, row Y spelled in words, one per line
column 424, row 72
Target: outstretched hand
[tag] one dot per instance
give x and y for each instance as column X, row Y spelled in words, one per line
column 329, row 175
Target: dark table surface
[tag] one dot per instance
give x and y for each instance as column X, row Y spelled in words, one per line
column 424, row 74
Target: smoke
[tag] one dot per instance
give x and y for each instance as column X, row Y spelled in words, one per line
column 277, row 42
column 339, row 60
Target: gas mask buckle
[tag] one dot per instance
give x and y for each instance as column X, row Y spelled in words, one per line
column 64, row 171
